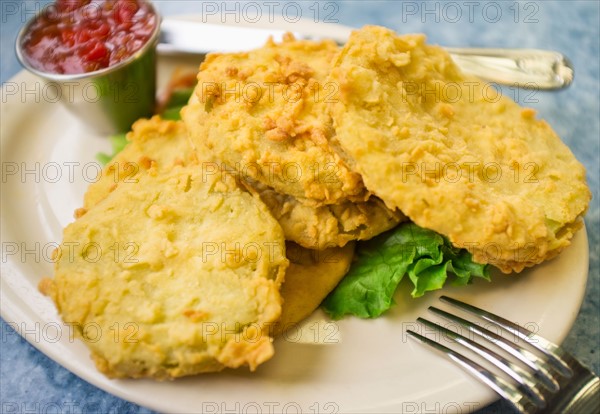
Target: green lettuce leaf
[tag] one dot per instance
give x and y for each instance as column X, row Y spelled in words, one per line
column 180, row 97
column 367, row 290
column 172, row 114
column 117, row 143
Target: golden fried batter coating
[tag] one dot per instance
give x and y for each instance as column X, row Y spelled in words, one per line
column 309, row 279
column 453, row 154
column 263, row 113
column 174, row 275
column 330, row 225
column 154, row 145
column 164, row 143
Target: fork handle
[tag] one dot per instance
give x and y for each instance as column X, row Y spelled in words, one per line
column 584, row 398
column 524, row 68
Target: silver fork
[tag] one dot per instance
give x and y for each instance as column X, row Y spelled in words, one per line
column 536, row 376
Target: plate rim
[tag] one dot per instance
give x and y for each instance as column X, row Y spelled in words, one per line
column 12, row 317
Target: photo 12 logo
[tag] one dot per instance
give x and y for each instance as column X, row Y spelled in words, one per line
column 440, row 407
column 269, row 407
column 54, row 332
column 70, row 92
column 269, row 11
column 469, row 11
column 51, row 252
column 50, row 172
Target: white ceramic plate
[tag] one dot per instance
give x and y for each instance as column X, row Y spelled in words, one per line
column 360, row 365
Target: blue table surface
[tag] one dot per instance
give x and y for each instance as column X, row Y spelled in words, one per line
column 31, row 382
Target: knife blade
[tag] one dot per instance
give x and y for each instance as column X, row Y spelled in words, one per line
column 523, row 68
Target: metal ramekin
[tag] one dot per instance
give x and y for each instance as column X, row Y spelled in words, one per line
column 108, row 100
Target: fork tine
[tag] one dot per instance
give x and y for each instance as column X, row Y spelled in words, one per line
column 536, row 364
column 526, row 382
column 551, row 350
column 502, row 387
column 553, row 393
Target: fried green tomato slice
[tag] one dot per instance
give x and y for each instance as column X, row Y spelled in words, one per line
column 153, row 145
column 263, row 114
column 312, row 275
column 452, row 153
column 322, row 227
column 156, row 145
column 177, row 274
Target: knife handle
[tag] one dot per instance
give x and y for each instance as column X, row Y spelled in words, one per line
column 523, row 68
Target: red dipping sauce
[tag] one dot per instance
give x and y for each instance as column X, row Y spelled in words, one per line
column 79, row 36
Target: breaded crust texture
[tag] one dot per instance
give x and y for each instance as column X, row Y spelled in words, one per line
column 453, row 154
column 322, row 227
column 175, row 274
column 156, row 145
column 312, row 275
column 263, row 114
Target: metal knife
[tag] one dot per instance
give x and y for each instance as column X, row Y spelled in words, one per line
column 523, row 68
